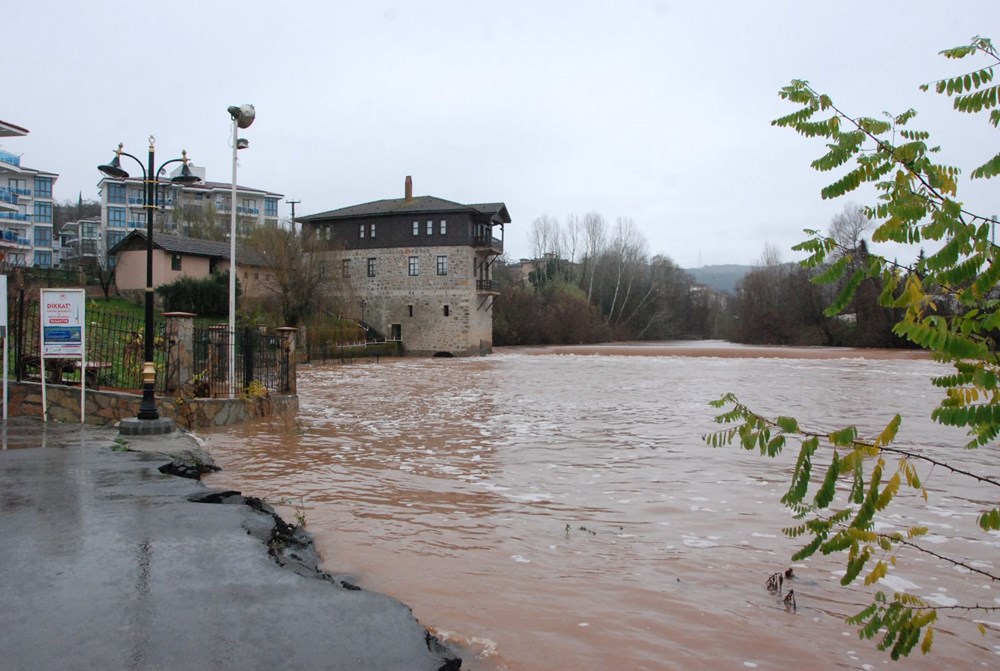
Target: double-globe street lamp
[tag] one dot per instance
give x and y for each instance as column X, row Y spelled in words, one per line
column 150, row 179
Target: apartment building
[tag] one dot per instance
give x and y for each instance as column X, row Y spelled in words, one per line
column 200, row 210
column 81, row 244
column 26, row 208
column 417, row 269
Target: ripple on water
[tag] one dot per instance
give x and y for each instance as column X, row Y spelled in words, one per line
column 514, row 500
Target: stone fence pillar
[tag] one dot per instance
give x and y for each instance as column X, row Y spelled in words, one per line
column 180, row 349
column 288, row 336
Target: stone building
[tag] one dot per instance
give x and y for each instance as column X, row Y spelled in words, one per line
column 417, row 269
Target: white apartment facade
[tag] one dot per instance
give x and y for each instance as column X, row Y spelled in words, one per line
column 26, row 209
column 200, row 210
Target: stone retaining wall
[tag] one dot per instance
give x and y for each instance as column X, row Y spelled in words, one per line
column 107, row 408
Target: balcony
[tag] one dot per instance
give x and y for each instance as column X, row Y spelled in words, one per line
column 487, row 287
column 15, row 216
column 10, row 159
column 8, row 199
column 248, row 210
column 11, row 237
column 494, row 245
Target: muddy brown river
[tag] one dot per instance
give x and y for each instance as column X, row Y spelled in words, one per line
column 558, row 509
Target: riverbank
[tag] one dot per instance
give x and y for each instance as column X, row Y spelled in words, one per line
column 109, row 561
column 719, row 349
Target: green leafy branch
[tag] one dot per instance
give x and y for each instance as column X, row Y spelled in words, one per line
column 850, row 528
column 947, row 303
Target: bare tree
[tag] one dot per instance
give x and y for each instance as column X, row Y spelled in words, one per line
column 571, row 239
column 545, row 237
column 595, row 233
column 628, row 249
column 849, row 227
column 299, row 270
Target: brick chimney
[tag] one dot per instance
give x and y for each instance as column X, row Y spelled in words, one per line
column 409, row 189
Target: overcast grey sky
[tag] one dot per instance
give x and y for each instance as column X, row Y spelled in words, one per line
column 654, row 109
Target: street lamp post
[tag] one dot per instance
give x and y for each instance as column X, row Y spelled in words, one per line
column 150, row 178
column 243, row 116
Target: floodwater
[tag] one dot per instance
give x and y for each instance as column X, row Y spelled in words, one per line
column 548, row 510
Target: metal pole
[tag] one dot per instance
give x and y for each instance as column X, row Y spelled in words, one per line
column 292, row 203
column 147, row 410
column 232, row 270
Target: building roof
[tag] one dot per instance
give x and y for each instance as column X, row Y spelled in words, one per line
column 416, row 205
column 176, row 244
column 8, row 129
column 200, row 186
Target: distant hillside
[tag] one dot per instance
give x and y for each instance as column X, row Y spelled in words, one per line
column 721, row 278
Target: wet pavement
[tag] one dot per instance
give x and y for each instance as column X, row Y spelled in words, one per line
column 106, row 562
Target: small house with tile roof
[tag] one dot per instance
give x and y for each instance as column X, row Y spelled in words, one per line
column 175, row 257
column 417, row 269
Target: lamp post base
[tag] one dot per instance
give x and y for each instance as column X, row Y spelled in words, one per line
column 133, row 426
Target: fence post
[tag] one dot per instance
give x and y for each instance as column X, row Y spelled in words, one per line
column 180, row 349
column 249, row 338
column 288, row 365
column 218, row 361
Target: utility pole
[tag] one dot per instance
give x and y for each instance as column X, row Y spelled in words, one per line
column 292, row 203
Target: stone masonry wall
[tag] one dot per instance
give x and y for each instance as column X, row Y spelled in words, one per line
column 107, row 408
column 418, row 303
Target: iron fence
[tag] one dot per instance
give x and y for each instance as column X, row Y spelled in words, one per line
column 114, row 346
column 261, row 362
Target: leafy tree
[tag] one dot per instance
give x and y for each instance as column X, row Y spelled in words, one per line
column 857, row 477
column 207, row 297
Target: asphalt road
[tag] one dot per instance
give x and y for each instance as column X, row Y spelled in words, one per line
column 107, row 563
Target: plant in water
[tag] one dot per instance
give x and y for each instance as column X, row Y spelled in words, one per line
column 842, row 481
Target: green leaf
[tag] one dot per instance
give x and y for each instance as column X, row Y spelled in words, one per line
column 829, row 487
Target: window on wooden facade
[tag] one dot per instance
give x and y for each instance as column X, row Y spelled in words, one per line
column 430, row 228
column 444, row 227
column 416, row 228
column 371, row 231
column 361, row 230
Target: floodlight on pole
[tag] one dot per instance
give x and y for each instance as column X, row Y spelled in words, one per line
column 242, row 116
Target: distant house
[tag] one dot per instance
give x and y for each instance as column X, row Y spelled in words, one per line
column 175, row 257
column 417, row 268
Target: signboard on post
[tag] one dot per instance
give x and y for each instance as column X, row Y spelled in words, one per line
column 63, row 314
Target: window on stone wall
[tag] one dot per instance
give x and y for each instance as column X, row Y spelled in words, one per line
column 345, row 267
column 410, row 309
column 413, row 266
column 442, row 265
column 447, row 310
column 371, row 266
